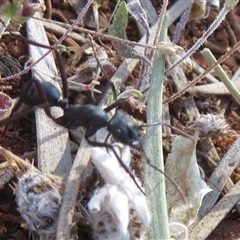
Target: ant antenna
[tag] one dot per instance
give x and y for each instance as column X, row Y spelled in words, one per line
column 168, row 125
column 182, row 195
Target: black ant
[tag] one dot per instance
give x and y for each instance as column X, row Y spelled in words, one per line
column 91, row 117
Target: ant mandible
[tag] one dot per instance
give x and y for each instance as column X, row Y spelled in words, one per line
column 91, row 117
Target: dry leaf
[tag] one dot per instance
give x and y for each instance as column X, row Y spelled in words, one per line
column 182, row 165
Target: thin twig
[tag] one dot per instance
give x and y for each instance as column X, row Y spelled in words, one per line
column 201, row 40
column 70, row 29
column 201, row 76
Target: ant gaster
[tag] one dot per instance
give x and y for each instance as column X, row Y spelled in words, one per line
column 89, row 116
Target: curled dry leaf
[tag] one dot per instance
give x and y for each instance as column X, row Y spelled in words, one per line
column 6, row 105
column 182, row 165
column 136, row 104
column 174, row 53
column 169, row 48
column 198, row 9
column 90, row 67
column 135, row 9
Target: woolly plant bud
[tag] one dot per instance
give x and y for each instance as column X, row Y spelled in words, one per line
column 39, row 198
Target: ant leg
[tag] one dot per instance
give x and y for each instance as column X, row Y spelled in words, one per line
column 19, row 103
column 105, row 91
column 17, row 116
column 59, row 60
column 109, row 146
column 42, row 96
column 117, row 104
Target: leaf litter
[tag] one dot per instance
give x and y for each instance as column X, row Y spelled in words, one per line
column 191, row 174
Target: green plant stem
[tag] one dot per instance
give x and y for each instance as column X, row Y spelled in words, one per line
column 154, row 181
column 126, row 93
column 221, row 74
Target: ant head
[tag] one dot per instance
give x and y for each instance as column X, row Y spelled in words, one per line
column 125, row 131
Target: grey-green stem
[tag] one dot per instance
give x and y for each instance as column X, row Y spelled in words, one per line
column 154, row 181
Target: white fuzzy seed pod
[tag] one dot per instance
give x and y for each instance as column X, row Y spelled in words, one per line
column 38, row 197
